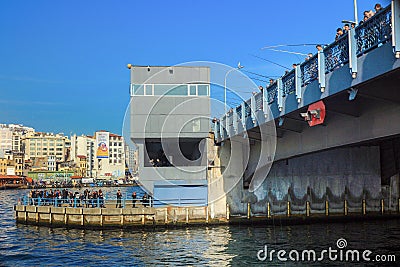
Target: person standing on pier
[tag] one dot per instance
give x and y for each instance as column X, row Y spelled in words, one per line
column 133, row 199
column 119, row 198
column 145, row 200
column 101, row 198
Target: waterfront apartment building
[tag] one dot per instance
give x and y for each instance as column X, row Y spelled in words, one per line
column 81, row 169
column 11, row 136
column 109, row 156
column 83, row 146
column 131, row 156
column 41, row 144
column 104, row 154
column 3, row 166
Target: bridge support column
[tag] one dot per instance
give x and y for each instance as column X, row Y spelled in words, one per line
column 321, row 70
column 280, row 94
column 396, row 27
column 353, row 53
column 297, row 79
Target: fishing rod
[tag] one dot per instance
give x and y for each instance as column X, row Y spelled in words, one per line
column 258, row 79
column 270, row 62
column 269, row 77
column 289, row 52
column 280, row 45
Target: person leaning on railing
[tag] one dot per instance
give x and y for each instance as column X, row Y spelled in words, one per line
column 119, row 199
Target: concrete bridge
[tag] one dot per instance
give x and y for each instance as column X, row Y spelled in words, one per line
column 349, row 93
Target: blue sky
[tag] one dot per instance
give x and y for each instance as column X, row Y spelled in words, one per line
column 63, row 63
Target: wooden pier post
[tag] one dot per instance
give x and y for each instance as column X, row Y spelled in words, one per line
column 364, row 207
column 326, row 207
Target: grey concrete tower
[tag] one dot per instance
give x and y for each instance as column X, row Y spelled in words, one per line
column 169, row 122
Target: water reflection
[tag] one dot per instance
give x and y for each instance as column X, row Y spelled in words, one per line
column 24, row 245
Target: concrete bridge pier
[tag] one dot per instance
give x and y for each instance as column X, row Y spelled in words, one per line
column 338, row 181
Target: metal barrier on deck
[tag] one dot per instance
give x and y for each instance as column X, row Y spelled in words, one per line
column 367, row 36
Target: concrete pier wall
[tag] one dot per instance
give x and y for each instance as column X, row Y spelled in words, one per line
column 329, row 181
column 113, row 217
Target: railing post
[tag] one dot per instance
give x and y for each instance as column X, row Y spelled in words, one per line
column 321, row 70
column 308, row 208
column 235, row 122
column 244, row 115
column 248, row 210
column 288, row 208
column 396, row 27
column 297, row 80
column 227, row 212
column 352, row 52
column 227, row 125
column 345, row 207
column 215, row 129
column 265, row 103
column 268, row 210
column 221, row 128
column 280, row 94
column 253, row 108
column 382, row 206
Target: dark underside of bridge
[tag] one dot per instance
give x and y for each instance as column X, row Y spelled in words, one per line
column 376, row 96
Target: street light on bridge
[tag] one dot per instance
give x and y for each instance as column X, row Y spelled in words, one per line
column 226, row 75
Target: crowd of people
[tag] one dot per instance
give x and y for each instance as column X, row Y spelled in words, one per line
column 367, row 15
column 87, row 198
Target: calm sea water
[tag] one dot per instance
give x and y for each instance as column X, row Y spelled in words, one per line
column 23, row 245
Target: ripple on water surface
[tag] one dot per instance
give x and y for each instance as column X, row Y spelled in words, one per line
column 24, row 245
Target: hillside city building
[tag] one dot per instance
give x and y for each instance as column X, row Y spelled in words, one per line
column 50, row 156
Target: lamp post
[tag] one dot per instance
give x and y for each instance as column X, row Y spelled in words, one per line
column 226, row 75
column 355, row 12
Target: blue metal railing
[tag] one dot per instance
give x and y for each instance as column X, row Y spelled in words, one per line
column 374, row 31
column 288, row 83
column 337, row 53
column 259, row 101
column 368, row 36
column 82, row 201
column 124, row 202
column 309, row 70
column 272, row 92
